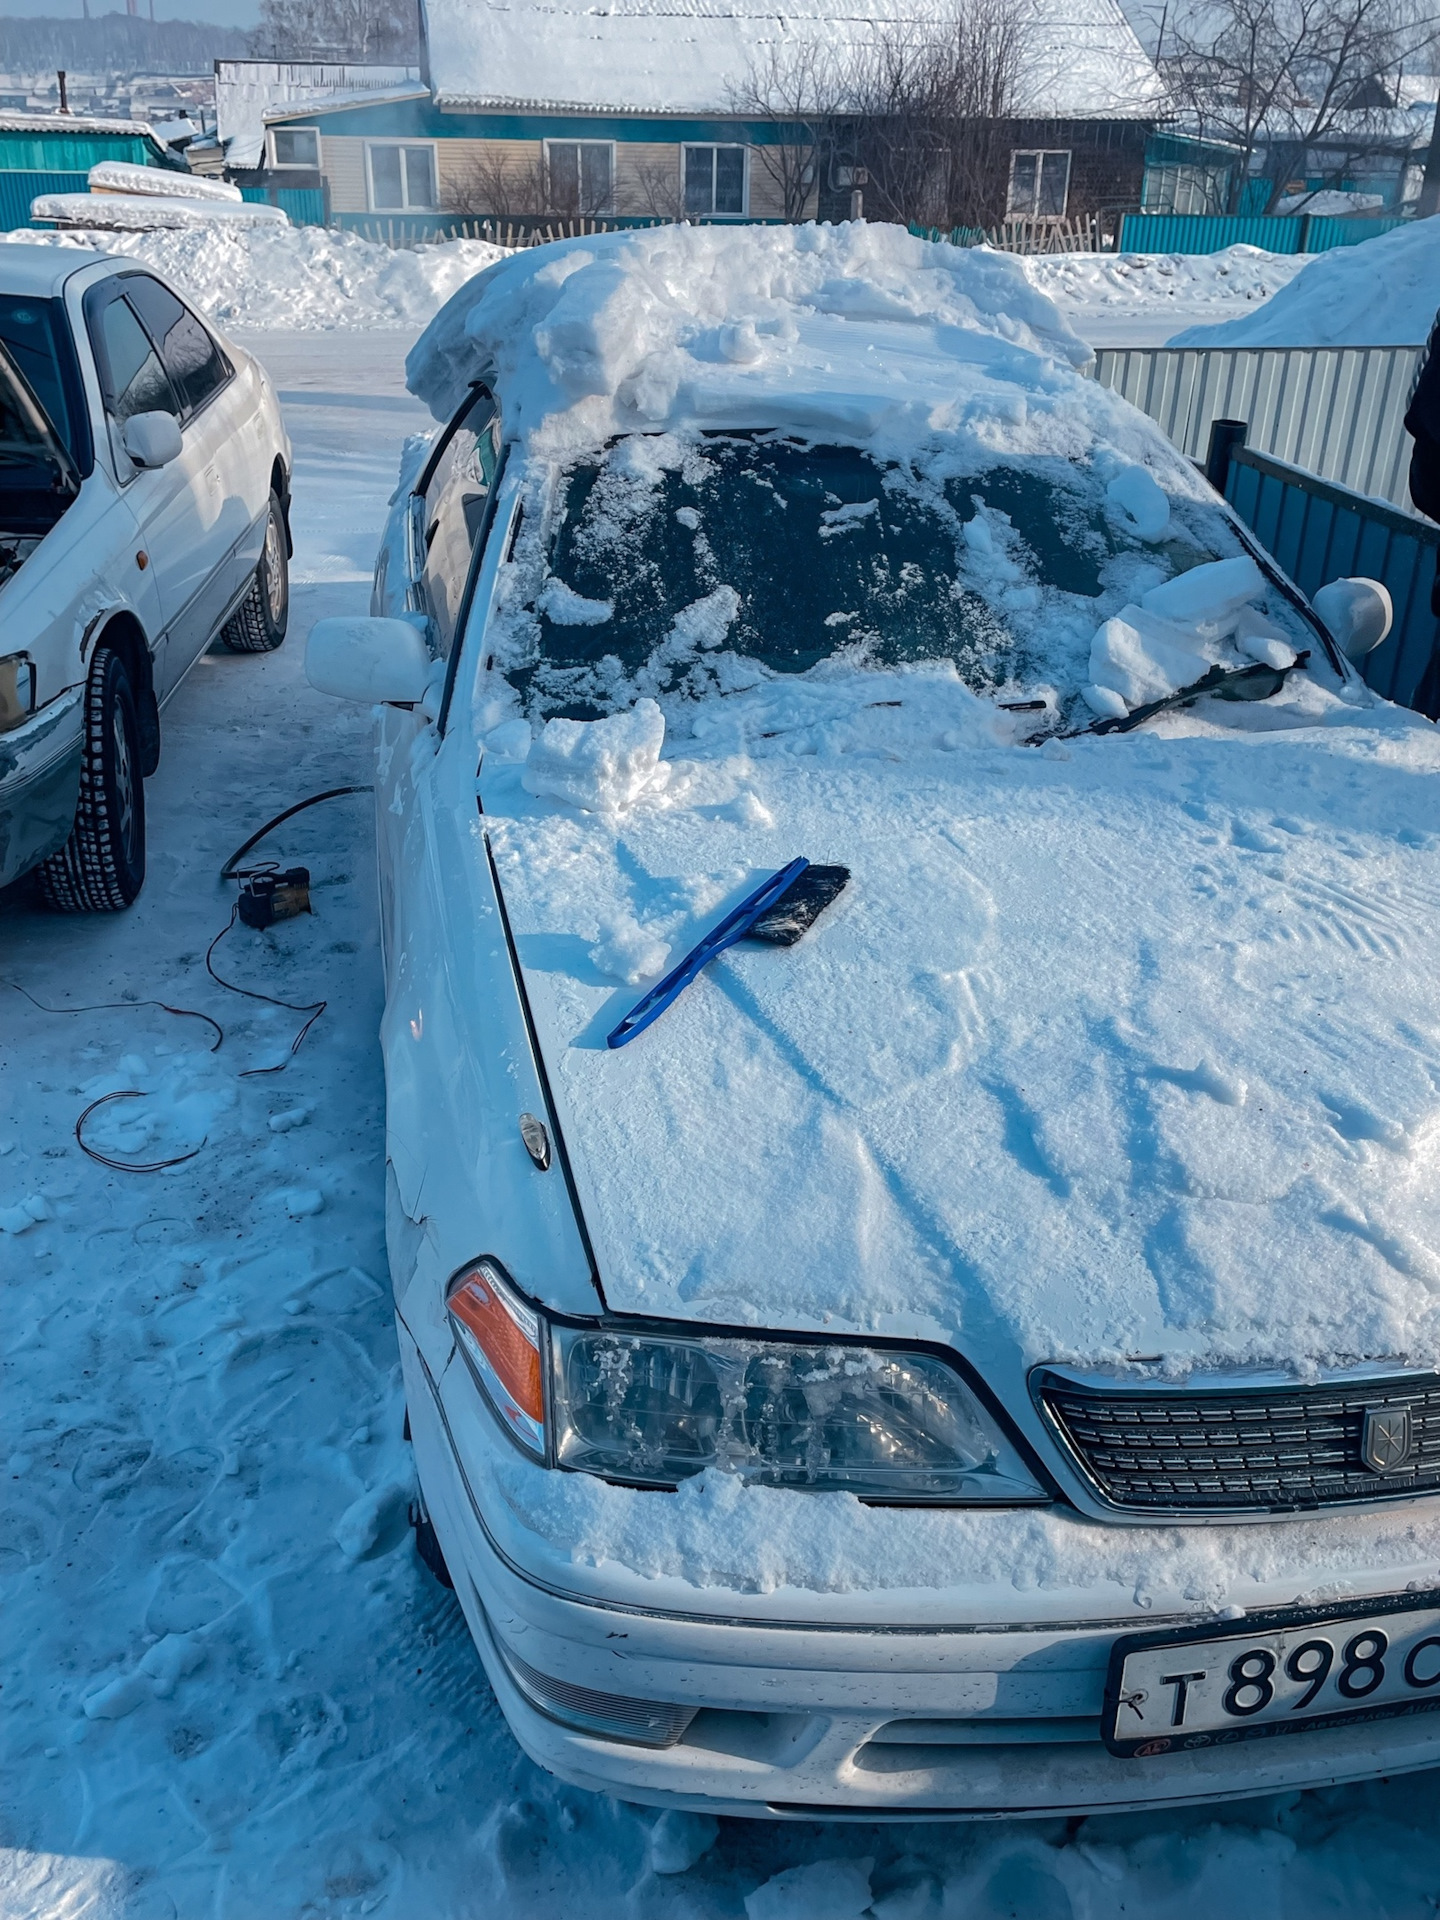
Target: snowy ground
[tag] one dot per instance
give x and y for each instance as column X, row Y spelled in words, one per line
column 230, row 1691
column 1141, row 299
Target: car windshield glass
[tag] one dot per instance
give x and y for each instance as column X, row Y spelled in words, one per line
column 685, row 568
column 27, row 332
column 31, row 458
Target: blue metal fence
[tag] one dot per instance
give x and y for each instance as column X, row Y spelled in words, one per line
column 1320, row 532
column 1210, row 232
column 304, row 205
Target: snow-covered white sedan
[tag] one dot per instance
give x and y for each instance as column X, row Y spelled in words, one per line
column 144, row 501
column 913, row 1048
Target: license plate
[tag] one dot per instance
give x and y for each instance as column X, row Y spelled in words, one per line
column 1291, row 1672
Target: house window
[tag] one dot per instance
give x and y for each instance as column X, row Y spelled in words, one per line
column 1039, row 185
column 714, row 180
column 295, row 147
column 579, row 175
column 402, row 179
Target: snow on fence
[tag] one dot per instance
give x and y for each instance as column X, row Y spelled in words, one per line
column 1321, row 532
column 1337, row 412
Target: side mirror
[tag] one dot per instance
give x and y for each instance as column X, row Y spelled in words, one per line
column 368, row 659
column 152, row 439
column 1358, row 612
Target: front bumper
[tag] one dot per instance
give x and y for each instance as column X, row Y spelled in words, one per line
column 39, row 783
column 807, row 1720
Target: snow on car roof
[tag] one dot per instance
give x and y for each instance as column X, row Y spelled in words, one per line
column 881, row 336
column 688, row 56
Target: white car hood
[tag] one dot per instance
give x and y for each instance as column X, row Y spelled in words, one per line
column 1133, row 1051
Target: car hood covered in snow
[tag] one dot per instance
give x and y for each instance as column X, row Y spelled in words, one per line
column 1123, row 1050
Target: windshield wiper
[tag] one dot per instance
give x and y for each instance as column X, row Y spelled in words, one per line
column 1259, row 682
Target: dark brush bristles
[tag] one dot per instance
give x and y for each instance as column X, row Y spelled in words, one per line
column 800, row 906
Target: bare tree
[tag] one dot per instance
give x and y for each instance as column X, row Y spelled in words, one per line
column 337, row 30
column 660, row 190
column 798, row 89
column 494, row 182
column 1300, row 88
column 917, row 110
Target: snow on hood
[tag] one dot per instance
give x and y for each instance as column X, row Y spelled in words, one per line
column 717, row 326
column 1124, row 1049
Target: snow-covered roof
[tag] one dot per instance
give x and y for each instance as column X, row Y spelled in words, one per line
column 71, row 123
column 340, row 102
column 246, row 91
column 687, row 56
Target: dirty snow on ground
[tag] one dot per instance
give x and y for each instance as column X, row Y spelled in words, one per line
column 1138, row 299
column 230, row 1690
column 1383, row 293
column 291, row 277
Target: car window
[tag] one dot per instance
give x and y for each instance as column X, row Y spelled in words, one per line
column 131, row 375
column 688, row 567
column 455, row 497
column 194, row 362
column 27, row 332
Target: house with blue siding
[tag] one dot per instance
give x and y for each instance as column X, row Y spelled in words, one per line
column 555, row 106
column 53, row 153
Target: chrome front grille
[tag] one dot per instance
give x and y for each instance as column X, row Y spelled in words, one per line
column 1255, row 1450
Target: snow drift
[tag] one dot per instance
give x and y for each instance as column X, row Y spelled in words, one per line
column 1383, row 293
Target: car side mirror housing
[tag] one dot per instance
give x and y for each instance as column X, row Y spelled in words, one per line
column 368, row 659
column 1358, row 612
column 152, row 439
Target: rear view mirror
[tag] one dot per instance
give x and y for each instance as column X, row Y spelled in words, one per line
column 152, row 439
column 1358, row 612
column 368, row 659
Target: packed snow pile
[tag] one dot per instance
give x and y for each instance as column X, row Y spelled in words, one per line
column 1330, row 202
column 120, row 176
column 1383, row 293
column 1084, row 285
column 148, row 212
column 291, row 277
column 723, row 325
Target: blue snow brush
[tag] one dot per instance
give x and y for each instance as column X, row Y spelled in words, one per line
column 778, row 912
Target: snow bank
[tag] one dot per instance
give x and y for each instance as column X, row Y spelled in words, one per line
column 719, row 326
column 141, row 212
column 1383, row 293
column 601, row 766
column 1087, row 285
column 120, row 176
column 302, row 278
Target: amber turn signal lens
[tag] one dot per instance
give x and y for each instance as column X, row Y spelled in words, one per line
column 500, row 1338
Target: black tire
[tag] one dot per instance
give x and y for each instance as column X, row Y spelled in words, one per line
column 101, row 867
column 258, row 624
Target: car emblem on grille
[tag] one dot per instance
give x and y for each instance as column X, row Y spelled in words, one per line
column 1386, row 1439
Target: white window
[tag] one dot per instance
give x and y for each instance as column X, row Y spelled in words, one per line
column 1039, row 185
column 714, row 180
column 402, row 178
column 579, row 175
column 295, row 147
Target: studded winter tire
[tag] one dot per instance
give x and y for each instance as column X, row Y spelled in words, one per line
column 258, row 624
column 101, row 867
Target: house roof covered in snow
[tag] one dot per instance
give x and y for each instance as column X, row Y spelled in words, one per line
column 249, row 91
column 688, row 56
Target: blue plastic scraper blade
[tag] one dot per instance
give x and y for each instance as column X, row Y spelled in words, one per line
column 732, row 929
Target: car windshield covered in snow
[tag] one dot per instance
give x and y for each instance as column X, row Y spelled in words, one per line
column 694, row 566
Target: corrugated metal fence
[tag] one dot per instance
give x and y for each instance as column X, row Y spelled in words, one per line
column 1337, row 411
column 1320, row 532
column 19, row 188
column 1277, row 233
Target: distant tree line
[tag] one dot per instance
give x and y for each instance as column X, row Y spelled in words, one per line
column 116, row 43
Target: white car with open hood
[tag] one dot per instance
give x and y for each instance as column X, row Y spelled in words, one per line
column 972, row 1344
column 144, row 503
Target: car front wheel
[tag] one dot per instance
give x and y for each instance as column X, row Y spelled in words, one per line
column 101, row 867
column 258, row 624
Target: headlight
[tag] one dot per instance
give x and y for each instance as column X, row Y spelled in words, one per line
column 652, row 1408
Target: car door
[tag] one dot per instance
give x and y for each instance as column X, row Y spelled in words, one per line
column 178, row 507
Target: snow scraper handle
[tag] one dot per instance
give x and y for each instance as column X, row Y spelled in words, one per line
column 732, row 929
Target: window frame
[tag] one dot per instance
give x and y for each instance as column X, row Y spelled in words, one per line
column 590, row 213
column 277, row 165
column 432, row 146
column 1039, row 155
column 716, row 147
